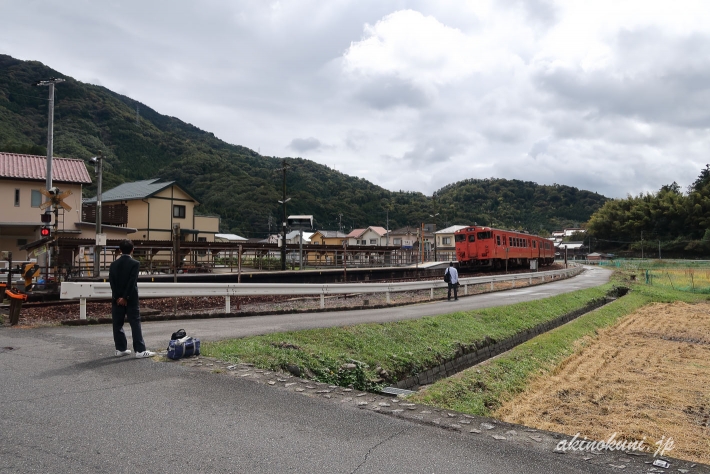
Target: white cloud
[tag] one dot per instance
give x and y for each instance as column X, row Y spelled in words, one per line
column 611, row 96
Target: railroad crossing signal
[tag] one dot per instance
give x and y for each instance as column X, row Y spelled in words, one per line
column 45, row 232
column 55, row 199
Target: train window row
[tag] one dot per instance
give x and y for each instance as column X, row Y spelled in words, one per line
column 503, row 240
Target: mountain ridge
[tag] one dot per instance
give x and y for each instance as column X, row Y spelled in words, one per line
column 244, row 187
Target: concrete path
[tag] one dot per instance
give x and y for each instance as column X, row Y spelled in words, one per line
column 68, row 405
column 155, row 333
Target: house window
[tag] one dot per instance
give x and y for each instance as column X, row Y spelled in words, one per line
column 446, row 241
column 17, row 197
column 179, row 211
column 397, row 241
column 373, row 241
column 21, row 242
column 36, row 198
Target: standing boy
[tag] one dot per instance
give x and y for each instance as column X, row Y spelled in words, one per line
column 123, row 276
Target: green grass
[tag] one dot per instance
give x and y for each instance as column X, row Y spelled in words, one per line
column 481, row 390
column 400, row 349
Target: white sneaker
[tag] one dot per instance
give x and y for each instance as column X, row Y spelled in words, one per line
column 144, row 354
column 123, row 353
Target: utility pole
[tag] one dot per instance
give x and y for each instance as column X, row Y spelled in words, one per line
column 99, row 162
column 50, row 148
column 659, row 250
column 283, row 225
column 50, row 128
column 641, row 245
column 388, row 226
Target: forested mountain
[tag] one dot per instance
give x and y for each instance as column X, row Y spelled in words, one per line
column 677, row 222
column 242, row 186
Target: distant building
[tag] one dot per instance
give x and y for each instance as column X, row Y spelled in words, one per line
column 154, row 207
column 229, row 238
column 445, row 246
column 596, row 256
column 372, row 235
column 21, row 179
column 570, row 231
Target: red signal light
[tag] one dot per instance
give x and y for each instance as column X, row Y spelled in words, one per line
column 45, row 232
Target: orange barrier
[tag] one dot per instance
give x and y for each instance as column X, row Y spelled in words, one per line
column 16, row 300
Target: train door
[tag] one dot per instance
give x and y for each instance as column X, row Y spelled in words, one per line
column 471, row 246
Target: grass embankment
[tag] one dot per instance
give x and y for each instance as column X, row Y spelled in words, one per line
column 392, row 351
column 482, row 389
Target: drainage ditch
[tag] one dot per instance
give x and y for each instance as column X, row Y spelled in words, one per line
column 470, row 355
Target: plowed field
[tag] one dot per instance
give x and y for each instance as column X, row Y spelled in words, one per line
column 648, row 376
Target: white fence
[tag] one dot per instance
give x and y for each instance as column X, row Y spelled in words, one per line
column 89, row 291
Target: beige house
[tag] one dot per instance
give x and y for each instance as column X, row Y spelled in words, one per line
column 154, row 207
column 326, row 237
column 444, row 245
column 21, row 179
column 373, row 235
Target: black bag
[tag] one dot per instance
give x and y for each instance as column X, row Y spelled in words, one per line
column 447, row 276
column 179, row 334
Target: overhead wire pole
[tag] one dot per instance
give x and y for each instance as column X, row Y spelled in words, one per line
column 50, row 128
column 98, row 160
column 50, row 146
column 283, row 224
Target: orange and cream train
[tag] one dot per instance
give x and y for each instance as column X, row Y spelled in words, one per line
column 484, row 247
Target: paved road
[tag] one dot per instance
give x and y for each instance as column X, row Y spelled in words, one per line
column 68, row 405
column 224, row 328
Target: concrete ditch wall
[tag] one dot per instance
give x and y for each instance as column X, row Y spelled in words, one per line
column 489, row 348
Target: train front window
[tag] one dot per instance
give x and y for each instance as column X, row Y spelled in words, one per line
column 485, row 235
column 460, row 237
column 472, row 238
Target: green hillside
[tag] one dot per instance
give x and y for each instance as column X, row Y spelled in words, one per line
column 242, row 186
column 674, row 222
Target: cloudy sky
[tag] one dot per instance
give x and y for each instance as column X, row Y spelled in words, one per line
column 611, row 96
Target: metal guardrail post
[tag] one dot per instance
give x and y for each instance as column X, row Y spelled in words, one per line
column 227, row 304
column 82, row 308
column 322, row 301
column 388, row 297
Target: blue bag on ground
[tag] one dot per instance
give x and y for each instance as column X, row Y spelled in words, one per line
column 184, row 347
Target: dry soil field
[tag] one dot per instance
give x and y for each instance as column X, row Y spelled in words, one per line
column 648, row 376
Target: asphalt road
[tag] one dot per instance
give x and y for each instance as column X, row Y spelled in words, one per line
column 156, row 334
column 68, row 405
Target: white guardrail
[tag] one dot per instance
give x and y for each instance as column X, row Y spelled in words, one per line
column 90, row 290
